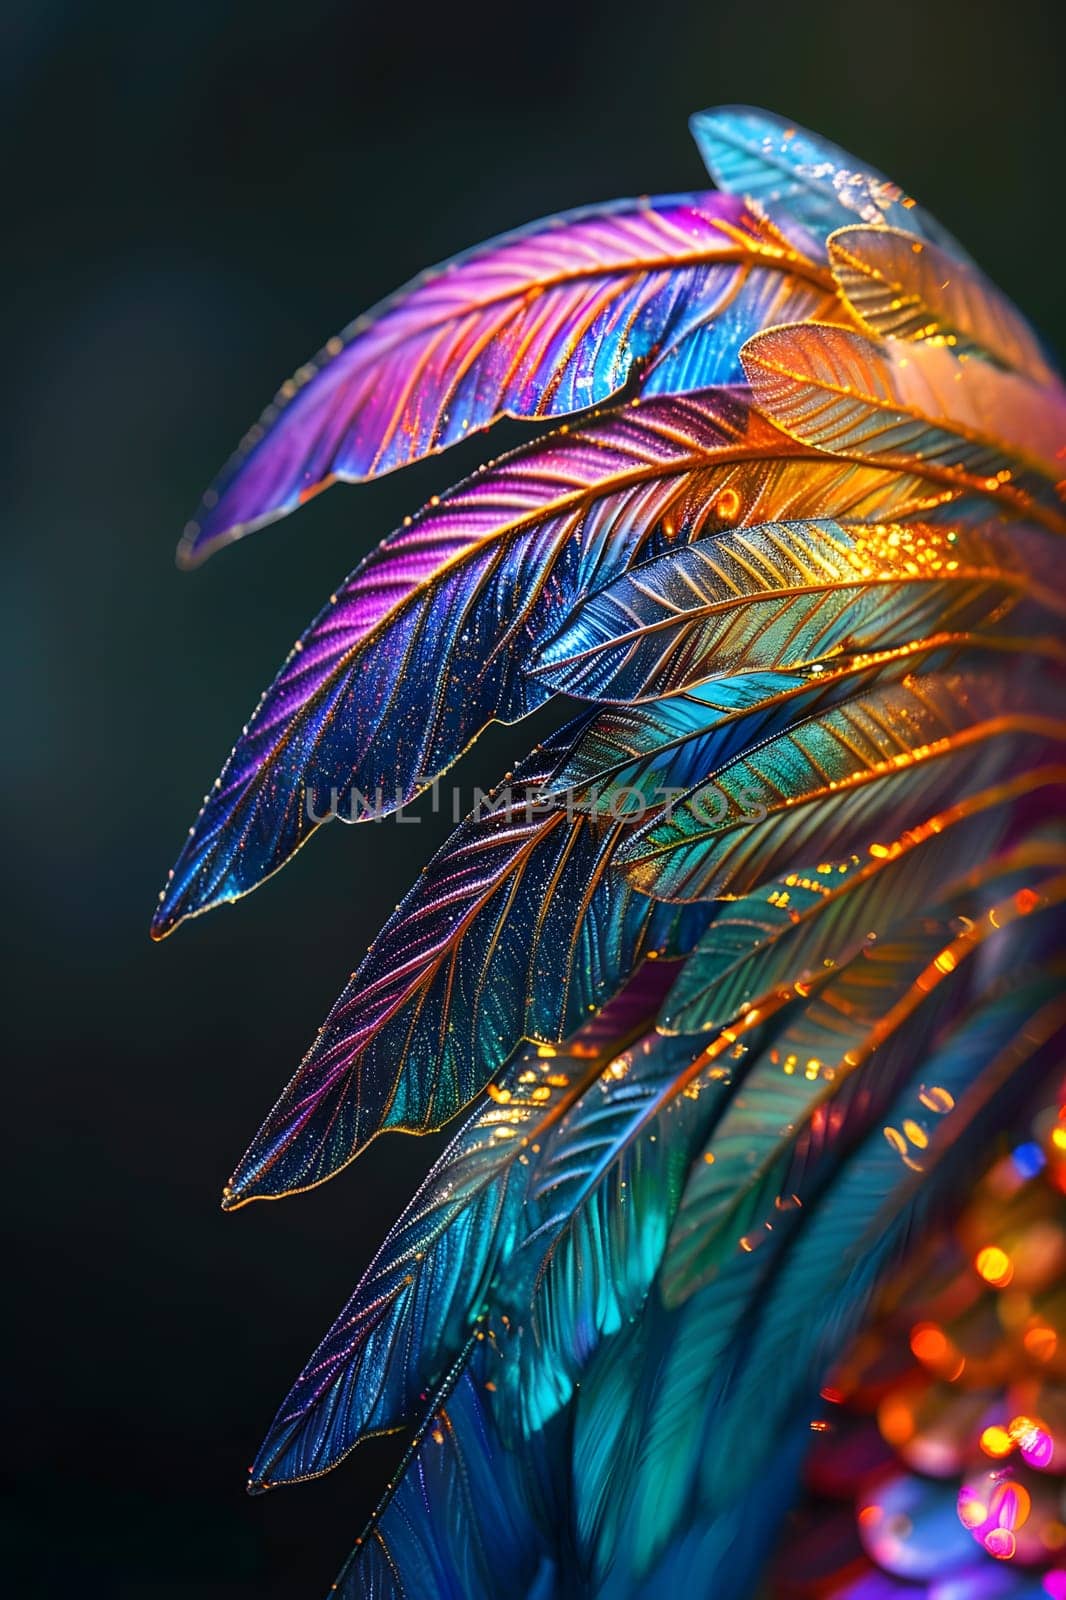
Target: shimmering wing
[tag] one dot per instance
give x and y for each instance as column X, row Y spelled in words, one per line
column 773, row 161
column 540, row 323
column 616, row 1479
column 899, row 287
column 580, row 1233
column 898, row 402
column 606, row 1310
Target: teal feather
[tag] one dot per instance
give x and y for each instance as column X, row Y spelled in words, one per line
column 784, row 595
column 697, row 1444
column 840, row 1253
column 797, row 1102
column 836, row 784
column 426, row 1289
column 821, row 916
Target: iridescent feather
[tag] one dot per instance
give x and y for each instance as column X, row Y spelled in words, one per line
column 550, row 320
column 754, row 153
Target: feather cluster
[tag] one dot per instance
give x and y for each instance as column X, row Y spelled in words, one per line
column 744, row 972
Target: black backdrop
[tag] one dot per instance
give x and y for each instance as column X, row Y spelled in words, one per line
column 196, row 197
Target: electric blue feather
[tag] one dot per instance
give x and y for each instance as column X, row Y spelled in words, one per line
column 464, row 1510
column 597, row 1214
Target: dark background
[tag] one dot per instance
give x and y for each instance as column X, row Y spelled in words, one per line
column 197, row 196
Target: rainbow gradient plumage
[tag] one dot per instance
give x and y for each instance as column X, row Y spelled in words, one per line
column 749, row 970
